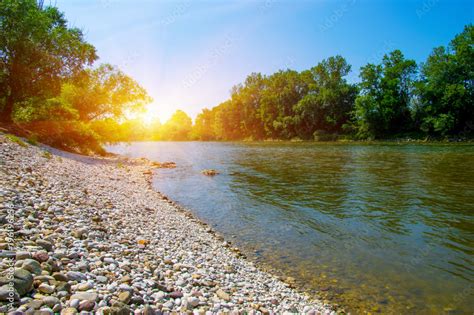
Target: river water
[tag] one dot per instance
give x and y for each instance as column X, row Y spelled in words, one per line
column 374, row 227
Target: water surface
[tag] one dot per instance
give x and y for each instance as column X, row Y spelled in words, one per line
column 377, row 228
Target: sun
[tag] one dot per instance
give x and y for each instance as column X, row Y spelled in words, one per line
column 151, row 114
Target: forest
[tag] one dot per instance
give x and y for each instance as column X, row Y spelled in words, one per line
column 52, row 90
column 396, row 98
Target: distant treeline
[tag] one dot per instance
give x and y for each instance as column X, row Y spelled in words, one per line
column 395, row 98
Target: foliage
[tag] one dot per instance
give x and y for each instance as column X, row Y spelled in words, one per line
column 104, row 92
column 47, row 86
column 285, row 105
column 329, row 101
column 37, row 51
column 383, row 106
column 16, row 140
column 446, row 87
column 177, row 128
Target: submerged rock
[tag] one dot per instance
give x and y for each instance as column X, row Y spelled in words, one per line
column 210, row 172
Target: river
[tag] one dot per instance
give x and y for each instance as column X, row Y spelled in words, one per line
column 374, row 227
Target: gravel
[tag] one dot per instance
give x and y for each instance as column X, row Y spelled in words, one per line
column 92, row 236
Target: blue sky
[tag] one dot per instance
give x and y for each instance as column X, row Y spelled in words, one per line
column 188, row 54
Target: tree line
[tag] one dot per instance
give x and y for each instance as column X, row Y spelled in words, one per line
column 394, row 98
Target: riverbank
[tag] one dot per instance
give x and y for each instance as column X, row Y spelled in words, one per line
column 91, row 235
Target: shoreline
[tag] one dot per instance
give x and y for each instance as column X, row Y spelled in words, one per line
column 81, row 241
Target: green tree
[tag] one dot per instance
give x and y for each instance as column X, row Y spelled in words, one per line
column 247, row 99
column 37, row 51
column 446, row 88
column 284, row 89
column 383, row 106
column 104, row 92
column 329, row 101
column 177, row 128
column 203, row 128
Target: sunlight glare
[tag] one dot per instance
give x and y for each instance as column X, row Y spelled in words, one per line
column 151, row 113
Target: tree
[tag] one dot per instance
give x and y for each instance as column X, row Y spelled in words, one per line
column 446, row 88
column 284, row 89
column 247, row 99
column 178, row 127
column 104, row 92
column 329, row 101
column 203, row 128
column 37, row 51
column 383, row 106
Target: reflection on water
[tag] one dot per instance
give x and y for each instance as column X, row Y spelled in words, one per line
column 379, row 228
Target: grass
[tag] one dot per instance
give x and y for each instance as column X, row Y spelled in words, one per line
column 16, row 140
column 47, row 155
column 33, row 140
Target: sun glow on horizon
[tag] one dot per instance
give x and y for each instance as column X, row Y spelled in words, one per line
column 155, row 112
column 151, row 114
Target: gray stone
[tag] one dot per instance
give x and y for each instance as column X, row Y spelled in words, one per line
column 35, row 304
column 22, row 281
column 48, row 246
column 60, row 276
column 85, row 296
column 8, row 294
column 32, row 266
column 50, row 300
column 193, row 301
column 63, row 287
column 76, row 276
column 74, row 303
column 102, row 279
column 22, row 255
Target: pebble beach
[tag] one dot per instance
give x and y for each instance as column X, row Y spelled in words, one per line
column 83, row 235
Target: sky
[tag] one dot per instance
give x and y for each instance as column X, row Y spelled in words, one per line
column 188, row 54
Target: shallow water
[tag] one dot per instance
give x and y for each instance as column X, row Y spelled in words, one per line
column 377, row 227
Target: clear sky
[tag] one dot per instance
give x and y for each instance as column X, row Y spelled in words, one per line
column 188, row 54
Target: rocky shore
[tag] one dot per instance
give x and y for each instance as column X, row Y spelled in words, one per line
column 85, row 235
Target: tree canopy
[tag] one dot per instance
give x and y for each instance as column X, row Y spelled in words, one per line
column 48, row 83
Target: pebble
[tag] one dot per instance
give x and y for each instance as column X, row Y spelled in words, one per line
column 45, row 288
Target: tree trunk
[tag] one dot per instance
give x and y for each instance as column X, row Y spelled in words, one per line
column 6, row 114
